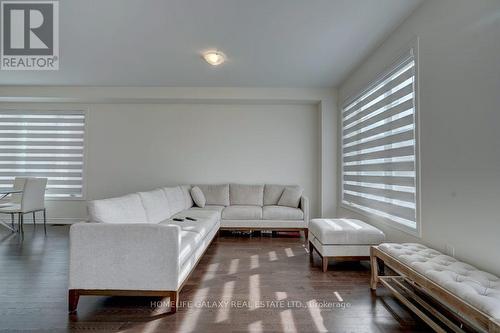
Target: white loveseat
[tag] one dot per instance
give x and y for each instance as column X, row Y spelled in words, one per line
column 132, row 246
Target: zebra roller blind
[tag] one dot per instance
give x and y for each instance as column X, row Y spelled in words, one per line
column 379, row 147
column 43, row 144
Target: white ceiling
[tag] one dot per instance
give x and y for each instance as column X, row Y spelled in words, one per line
column 284, row 43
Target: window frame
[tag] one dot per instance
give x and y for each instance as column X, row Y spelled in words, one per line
column 410, row 50
column 86, row 112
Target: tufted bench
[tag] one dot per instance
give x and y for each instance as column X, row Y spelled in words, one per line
column 473, row 294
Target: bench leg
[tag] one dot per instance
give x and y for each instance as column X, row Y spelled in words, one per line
column 381, row 266
column 325, row 264
column 374, row 268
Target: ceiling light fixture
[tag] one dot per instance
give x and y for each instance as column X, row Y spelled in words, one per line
column 214, row 57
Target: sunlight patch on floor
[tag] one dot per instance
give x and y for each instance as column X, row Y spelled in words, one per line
column 254, row 261
column 227, row 295
column 281, row 295
column 233, row 267
column 287, row 321
column 211, row 271
column 273, row 256
column 315, row 313
column 337, row 295
column 289, row 252
column 255, row 327
column 191, row 318
column 254, row 290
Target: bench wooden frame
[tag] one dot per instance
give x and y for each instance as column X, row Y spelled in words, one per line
column 460, row 308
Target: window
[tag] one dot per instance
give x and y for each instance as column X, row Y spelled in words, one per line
column 379, row 166
column 44, row 144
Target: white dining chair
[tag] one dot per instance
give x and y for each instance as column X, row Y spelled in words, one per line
column 31, row 200
column 14, row 198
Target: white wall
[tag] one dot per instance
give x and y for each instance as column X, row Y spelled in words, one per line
column 140, row 138
column 459, row 123
column 139, row 147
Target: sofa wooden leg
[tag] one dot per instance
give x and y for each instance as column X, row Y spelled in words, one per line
column 73, row 297
column 174, row 301
column 325, row 264
column 374, row 268
column 306, row 233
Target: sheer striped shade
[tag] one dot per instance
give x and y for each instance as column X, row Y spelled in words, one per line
column 378, row 147
column 43, row 144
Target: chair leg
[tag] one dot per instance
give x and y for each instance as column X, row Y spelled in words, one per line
column 34, row 220
column 44, row 222
column 20, row 222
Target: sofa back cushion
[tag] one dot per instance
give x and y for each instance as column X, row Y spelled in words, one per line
column 186, row 191
column 176, row 199
column 156, row 205
column 273, row 192
column 241, row 194
column 290, row 197
column 125, row 209
column 216, row 194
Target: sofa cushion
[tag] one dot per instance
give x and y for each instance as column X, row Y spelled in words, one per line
column 205, row 220
column 216, row 194
column 345, row 232
column 241, row 194
column 176, row 199
column 273, row 192
column 240, row 212
column 198, row 197
column 156, row 205
column 188, row 201
column 281, row 213
column 290, row 197
column 125, row 209
column 193, row 232
column 213, row 208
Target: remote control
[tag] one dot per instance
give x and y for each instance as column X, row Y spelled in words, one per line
column 178, row 219
column 190, row 218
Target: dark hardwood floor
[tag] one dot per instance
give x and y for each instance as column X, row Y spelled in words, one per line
column 264, row 284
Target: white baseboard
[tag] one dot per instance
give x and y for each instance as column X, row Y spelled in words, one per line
column 54, row 220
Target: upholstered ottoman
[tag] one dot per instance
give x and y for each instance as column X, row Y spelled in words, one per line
column 345, row 239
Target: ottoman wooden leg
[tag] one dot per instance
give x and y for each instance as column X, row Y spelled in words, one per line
column 325, row 264
column 311, row 249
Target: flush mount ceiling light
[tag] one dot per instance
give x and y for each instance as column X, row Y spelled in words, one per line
column 214, row 57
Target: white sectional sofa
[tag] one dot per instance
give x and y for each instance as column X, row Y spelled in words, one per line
column 132, row 246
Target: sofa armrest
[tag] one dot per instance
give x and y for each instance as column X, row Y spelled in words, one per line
column 124, row 256
column 304, row 205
